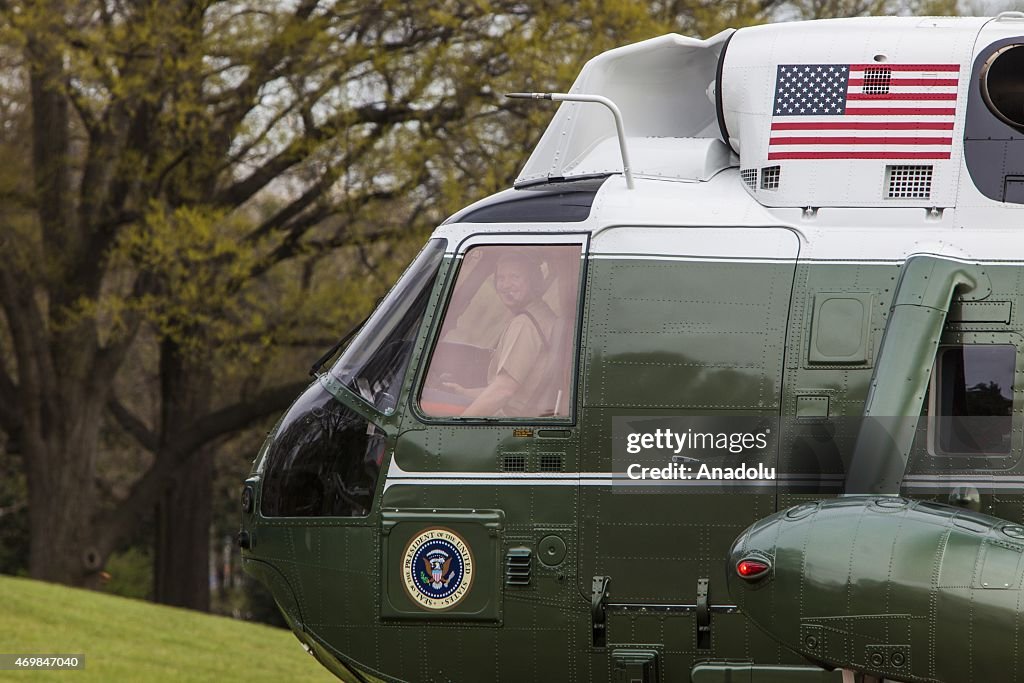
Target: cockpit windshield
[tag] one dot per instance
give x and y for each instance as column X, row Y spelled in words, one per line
column 374, row 364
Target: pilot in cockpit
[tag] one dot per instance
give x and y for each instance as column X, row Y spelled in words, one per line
column 522, row 351
column 502, row 344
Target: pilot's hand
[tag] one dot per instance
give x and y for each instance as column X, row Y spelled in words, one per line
column 455, row 388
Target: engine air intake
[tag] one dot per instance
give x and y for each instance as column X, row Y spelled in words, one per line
column 1002, row 85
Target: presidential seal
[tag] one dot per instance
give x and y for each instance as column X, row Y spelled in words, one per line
column 437, row 569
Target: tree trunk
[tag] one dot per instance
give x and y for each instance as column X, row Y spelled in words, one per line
column 64, row 546
column 181, row 570
column 62, row 388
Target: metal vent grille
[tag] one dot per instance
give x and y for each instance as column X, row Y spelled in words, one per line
column 513, row 462
column 550, row 462
column 770, row 176
column 908, row 182
column 518, row 566
column 877, row 80
column 749, row 176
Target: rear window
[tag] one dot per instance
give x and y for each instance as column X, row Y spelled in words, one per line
column 973, row 408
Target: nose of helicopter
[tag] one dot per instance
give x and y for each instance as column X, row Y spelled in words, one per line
column 258, row 563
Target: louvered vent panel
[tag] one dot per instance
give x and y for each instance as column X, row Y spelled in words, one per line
column 770, row 176
column 749, row 176
column 518, row 566
column 877, row 80
column 909, row 182
column 551, row 462
column 513, row 462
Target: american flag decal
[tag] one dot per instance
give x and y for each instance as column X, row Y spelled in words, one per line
column 863, row 111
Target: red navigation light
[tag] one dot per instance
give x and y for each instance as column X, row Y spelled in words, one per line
column 752, row 568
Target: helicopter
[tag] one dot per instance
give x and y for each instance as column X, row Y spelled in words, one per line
column 728, row 387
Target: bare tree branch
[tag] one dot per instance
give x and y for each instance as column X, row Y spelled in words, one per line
column 18, row 199
column 119, row 522
column 10, row 419
column 31, row 351
column 303, row 104
column 86, row 116
column 270, row 64
column 233, row 418
column 243, row 190
column 133, row 425
column 13, row 509
column 109, row 358
column 294, row 208
column 51, row 141
column 298, row 150
column 107, row 140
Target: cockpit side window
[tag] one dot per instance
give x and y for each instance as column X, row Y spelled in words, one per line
column 506, row 345
column 374, row 364
column 322, row 461
column 972, row 408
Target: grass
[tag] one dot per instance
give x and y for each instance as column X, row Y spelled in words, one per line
column 132, row 640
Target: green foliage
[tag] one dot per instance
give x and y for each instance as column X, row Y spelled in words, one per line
column 202, row 262
column 826, row 9
column 130, row 640
column 131, row 573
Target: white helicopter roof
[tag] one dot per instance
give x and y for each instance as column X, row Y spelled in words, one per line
column 765, row 129
column 865, row 112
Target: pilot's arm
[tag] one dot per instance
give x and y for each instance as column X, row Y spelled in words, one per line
column 518, row 350
column 493, row 397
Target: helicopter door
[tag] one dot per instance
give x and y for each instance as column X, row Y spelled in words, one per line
column 686, row 337
column 489, row 450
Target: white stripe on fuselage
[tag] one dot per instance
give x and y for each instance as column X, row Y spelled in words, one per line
column 397, row 476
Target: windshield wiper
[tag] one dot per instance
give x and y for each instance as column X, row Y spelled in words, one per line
column 313, row 371
column 344, row 340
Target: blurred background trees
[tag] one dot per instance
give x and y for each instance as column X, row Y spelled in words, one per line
column 199, row 197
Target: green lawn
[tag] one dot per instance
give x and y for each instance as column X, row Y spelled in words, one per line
column 131, row 640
